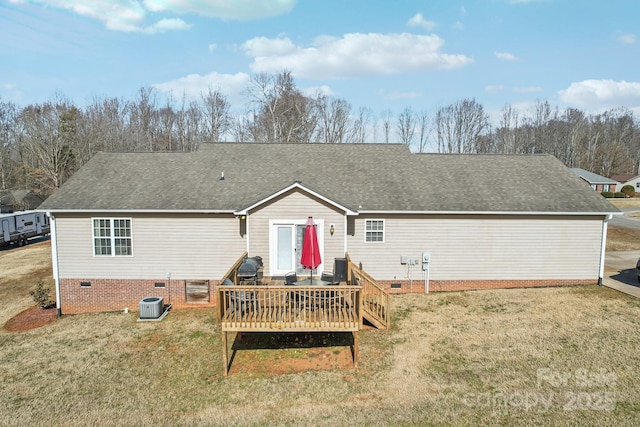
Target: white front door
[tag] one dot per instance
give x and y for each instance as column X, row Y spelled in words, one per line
column 285, row 247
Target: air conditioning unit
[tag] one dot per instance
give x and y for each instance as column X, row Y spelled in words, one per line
column 151, row 307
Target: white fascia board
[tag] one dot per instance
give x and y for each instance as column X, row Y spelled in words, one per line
column 370, row 212
column 295, row 185
column 122, row 211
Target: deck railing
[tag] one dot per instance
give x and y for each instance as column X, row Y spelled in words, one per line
column 375, row 300
column 289, row 308
column 232, row 273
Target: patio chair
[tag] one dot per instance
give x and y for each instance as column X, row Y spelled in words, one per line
column 241, row 302
column 294, row 297
column 327, row 276
column 290, row 278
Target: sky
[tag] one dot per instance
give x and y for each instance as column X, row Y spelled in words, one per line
column 385, row 55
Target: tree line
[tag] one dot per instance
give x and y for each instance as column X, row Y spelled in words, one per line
column 42, row 145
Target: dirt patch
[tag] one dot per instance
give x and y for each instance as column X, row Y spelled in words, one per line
column 267, row 354
column 31, row 318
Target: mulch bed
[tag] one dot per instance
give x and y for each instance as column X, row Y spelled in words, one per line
column 31, row 318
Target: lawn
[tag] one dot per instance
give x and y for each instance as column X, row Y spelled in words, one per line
column 551, row 356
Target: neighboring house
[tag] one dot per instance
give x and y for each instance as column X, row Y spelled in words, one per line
column 597, row 182
column 18, row 200
column 131, row 225
column 633, row 180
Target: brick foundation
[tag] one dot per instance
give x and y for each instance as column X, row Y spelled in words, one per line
column 116, row 294
column 467, row 285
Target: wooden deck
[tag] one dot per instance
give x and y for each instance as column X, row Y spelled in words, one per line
column 289, row 309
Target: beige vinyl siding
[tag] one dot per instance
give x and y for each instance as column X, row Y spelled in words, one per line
column 296, row 206
column 482, row 247
column 187, row 246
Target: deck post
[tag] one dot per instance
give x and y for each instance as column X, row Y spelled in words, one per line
column 225, row 354
column 355, row 349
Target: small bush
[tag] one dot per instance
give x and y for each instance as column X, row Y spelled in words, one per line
column 41, row 295
column 607, row 194
column 619, row 195
column 629, row 190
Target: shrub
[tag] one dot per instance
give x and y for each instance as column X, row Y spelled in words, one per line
column 41, row 295
column 619, row 195
column 629, row 190
column 607, row 194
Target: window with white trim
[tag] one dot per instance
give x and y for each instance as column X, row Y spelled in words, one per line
column 374, row 230
column 112, row 237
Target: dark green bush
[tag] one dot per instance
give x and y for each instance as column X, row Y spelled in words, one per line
column 607, row 194
column 629, row 190
column 619, row 195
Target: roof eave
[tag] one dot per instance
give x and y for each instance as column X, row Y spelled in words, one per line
column 547, row 213
column 299, row 186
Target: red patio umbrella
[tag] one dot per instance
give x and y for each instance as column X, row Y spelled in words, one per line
column 310, row 257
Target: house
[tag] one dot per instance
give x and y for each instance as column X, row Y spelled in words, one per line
column 132, row 225
column 18, row 200
column 597, row 182
column 632, row 180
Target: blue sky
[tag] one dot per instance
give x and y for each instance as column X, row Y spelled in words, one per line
column 380, row 54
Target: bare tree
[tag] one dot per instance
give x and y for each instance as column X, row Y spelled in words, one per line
column 406, row 126
column 460, row 125
column 507, row 134
column 386, row 124
column 360, row 127
column 423, row 131
column 143, row 120
column 217, row 116
column 8, row 123
column 241, row 129
column 333, row 119
column 166, row 123
column 50, row 134
column 281, row 112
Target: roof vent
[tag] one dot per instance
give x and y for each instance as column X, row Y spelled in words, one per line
column 222, row 176
column 151, row 307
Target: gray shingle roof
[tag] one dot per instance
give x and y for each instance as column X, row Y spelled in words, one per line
column 593, row 178
column 361, row 177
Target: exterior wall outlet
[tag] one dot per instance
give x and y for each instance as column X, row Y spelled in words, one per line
column 403, row 259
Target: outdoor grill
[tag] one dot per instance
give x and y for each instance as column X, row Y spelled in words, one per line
column 250, row 269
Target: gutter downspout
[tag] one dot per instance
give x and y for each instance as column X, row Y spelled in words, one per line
column 54, row 260
column 605, row 223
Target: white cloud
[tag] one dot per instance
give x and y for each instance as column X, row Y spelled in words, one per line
column 240, row 10
column 608, row 92
column 212, row 47
column 627, row 38
column 458, row 26
column 166, row 25
column 505, row 56
column 352, row 55
column 527, row 89
column 129, row 15
column 312, row 91
column 194, row 85
column 10, row 92
column 419, row 21
column 393, row 96
column 493, row 88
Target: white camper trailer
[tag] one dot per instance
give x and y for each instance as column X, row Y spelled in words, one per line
column 17, row 227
